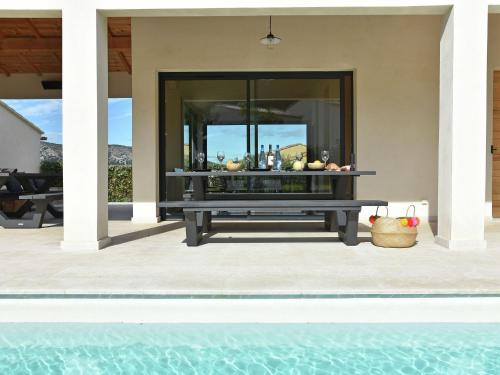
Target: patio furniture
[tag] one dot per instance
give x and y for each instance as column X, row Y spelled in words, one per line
column 41, row 203
column 347, row 213
column 22, row 192
column 341, row 211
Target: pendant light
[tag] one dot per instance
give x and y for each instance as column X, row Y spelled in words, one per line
column 270, row 40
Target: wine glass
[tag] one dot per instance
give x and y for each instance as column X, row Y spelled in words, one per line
column 325, row 155
column 248, row 158
column 220, row 157
column 201, row 158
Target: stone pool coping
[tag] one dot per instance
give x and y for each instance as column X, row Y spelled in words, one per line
column 217, row 309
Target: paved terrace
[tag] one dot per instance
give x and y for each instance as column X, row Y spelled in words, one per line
column 245, row 257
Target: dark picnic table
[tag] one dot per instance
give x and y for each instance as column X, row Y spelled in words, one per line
column 31, row 190
column 340, row 209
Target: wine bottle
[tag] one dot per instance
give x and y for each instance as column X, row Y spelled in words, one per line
column 277, row 159
column 270, row 157
column 262, row 158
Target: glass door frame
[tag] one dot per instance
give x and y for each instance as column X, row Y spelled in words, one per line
column 163, row 77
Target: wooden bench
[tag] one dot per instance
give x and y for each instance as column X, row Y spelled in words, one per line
column 340, row 215
column 41, row 203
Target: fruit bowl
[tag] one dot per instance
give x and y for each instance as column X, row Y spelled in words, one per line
column 316, row 165
column 233, row 167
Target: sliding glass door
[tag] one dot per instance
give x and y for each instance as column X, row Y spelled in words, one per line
column 302, row 113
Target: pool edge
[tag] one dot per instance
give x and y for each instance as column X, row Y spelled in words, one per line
column 216, row 310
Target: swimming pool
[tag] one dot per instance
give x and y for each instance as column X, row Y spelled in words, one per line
column 250, row 348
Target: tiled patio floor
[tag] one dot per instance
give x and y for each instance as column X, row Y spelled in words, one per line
column 245, row 257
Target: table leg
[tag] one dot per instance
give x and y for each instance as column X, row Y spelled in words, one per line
column 39, row 214
column 204, row 220
column 334, row 220
column 193, row 230
column 348, row 233
column 331, row 221
column 58, row 214
column 207, row 222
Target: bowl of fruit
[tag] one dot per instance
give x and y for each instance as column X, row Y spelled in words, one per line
column 233, row 166
column 316, row 165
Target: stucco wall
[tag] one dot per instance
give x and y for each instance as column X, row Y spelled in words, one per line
column 19, row 143
column 29, row 86
column 396, row 65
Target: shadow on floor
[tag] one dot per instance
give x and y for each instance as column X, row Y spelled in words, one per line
column 273, row 227
column 207, row 238
column 132, row 236
column 434, row 227
column 120, row 211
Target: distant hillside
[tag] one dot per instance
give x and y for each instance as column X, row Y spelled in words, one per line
column 50, row 151
column 290, row 151
column 117, row 154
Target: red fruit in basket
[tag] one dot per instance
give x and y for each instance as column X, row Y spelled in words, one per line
column 412, row 222
column 372, row 219
column 418, row 220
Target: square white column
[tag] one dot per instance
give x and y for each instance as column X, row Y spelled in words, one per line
column 85, row 130
column 462, row 126
column 145, row 138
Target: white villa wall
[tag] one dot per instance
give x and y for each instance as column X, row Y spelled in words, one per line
column 396, row 65
column 19, row 142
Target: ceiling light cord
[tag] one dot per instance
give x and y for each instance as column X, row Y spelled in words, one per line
column 270, row 40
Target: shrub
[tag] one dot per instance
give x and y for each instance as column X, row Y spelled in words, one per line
column 52, row 166
column 120, row 183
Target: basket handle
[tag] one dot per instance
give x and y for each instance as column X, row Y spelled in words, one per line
column 386, row 211
column 414, row 210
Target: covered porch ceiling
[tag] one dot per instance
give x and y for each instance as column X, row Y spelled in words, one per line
column 34, row 45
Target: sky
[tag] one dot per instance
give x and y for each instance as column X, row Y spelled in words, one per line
column 47, row 115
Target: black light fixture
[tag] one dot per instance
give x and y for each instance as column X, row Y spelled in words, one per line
column 270, row 40
column 52, row 85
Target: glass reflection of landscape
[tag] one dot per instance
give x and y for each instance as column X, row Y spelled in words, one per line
column 239, row 115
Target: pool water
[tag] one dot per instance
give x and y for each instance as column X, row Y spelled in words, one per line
column 250, row 349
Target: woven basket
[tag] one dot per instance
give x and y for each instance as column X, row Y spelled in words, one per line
column 389, row 232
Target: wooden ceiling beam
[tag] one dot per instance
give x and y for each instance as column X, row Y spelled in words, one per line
column 120, row 43
column 32, row 27
column 27, row 62
column 125, row 63
column 58, row 59
column 4, row 70
column 31, row 44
